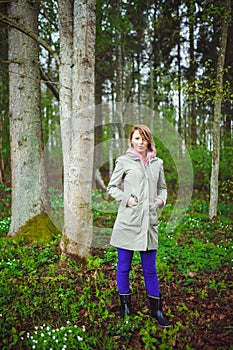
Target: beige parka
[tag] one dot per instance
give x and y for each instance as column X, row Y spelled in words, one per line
column 136, row 227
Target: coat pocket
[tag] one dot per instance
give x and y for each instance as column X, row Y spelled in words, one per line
column 130, row 216
column 153, row 214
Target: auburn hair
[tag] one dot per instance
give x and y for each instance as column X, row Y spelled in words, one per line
column 145, row 133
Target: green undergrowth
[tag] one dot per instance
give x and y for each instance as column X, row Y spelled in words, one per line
column 46, row 303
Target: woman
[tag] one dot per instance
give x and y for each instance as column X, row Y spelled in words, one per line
column 138, row 182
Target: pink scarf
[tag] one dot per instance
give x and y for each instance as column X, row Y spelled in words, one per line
column 150, row 154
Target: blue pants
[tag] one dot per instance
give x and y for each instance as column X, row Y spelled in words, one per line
column 148, row 260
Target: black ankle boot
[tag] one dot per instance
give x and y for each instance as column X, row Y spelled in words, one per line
column 125, row 304
column 156, row 311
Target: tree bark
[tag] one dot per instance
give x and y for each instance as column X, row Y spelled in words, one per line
column 4, row 115
column 28, row 176
column 193, row 117
column 217, row 116
column 119, row 82
column 4, row 91
column 78, row 131
column 2, row 164
column 179, row 69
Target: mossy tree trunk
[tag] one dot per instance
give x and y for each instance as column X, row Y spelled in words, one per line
column 77, row 30
column 28, row 180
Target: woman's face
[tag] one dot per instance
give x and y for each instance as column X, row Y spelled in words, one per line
column 139, row 143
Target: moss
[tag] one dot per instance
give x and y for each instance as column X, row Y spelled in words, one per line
column 39, row 228
column 71, row 250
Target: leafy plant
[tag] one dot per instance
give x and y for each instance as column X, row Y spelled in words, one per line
column 52, row 302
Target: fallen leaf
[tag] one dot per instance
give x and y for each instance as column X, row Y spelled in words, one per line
column 192, row 274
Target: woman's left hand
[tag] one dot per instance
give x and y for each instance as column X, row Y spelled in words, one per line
column 159, row 202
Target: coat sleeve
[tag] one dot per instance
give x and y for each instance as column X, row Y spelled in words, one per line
column 114, row 186
column 162, row 186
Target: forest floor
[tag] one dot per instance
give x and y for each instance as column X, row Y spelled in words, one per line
column 202, row 315
column 47, row 303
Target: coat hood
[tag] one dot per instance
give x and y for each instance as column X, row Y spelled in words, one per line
column 145, row 161
column 150, row 154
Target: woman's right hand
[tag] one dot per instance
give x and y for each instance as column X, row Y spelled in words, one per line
column 132, row 201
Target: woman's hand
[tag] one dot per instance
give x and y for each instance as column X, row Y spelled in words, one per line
column 159, row 202
column 132, row 201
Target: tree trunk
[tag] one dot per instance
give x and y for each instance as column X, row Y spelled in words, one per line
column 78, row 150
column 65, row 94
column 2, row 165
column 28, row 180
column 179, row 69
column 119, row 119
column 152, row 98
column 193, row 122
column 4, row 115
column 217, row 117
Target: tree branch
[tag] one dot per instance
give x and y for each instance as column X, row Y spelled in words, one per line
column 28, row 32
column 49, row 84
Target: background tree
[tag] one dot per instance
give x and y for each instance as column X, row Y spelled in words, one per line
column 4, row 100
column 49, row 68
column 217, row 113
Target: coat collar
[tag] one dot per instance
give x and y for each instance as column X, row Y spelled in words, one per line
column 137, row 156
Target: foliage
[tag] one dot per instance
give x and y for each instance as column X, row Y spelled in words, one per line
column 4, row 226
column 5, row 201
column 5, row 209
column 166, row 25
column 225, row 193
column 201, row 162
column 65, row 305
column 226, row 166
